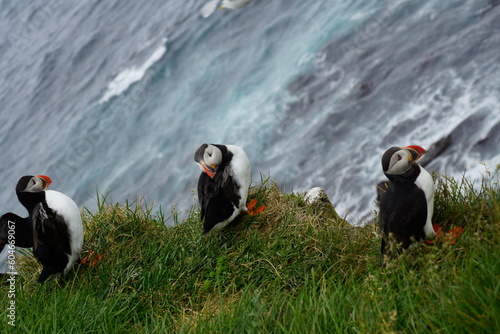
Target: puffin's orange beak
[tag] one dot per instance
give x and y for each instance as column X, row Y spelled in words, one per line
column 47, row 180
column 209, row 170
column 420, row 150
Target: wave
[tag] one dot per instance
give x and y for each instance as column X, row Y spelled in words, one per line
column 132, row 75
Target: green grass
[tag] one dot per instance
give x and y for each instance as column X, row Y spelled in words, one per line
column 292, row 269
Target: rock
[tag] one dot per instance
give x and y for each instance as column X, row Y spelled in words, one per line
column 436, row 150
column 317, row 197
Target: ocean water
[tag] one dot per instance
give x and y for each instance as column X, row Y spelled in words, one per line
column 116, row 96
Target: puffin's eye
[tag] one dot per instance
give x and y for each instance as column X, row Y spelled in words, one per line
column 399, row 157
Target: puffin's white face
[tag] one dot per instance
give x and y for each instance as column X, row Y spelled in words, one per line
column 33, row 184
column 208, row 157
column 212, row 156
column 398, row 160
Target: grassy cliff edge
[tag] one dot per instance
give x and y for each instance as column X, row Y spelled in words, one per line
column 294, row 268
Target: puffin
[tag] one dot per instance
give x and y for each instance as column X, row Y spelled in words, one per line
column 407, row 204
column 222, row 185
column 54, row 223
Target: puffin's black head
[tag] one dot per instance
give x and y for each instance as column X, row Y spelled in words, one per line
column 30, row 189
column 33, row 184
column 399, row 160
column 209, row 158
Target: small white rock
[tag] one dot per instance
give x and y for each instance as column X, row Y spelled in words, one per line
column 314, row 195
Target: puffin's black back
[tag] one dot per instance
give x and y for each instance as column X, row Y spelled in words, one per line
column 403, row 211
column 217, row 196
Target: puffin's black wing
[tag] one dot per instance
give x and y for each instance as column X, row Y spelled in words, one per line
column 403, row 212
column 22, row 231
column 218, row 197
column 225, row 178
column 230, row 188
column 207, row 189
column 51, row 241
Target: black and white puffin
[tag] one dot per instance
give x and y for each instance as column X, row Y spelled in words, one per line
column 223, row 184
column 407, row 205
column 55, row 223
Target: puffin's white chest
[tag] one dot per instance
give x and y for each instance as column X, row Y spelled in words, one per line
column 67, row 208
column 425, row 182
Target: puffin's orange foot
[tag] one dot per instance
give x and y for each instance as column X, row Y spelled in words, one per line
column 452, row 235
column 86, row 258
column 252, row 210
column 91, row 259
column 437, row 229
column 449, row 237
column 251, row 205
column 260, row 209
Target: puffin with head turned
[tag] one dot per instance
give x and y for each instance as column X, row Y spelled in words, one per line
column 53, row 228
column 407, row 205
column 223, row 184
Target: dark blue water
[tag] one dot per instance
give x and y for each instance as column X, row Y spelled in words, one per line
column 118, row 95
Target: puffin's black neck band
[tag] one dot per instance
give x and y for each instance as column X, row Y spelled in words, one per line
column 401, row 178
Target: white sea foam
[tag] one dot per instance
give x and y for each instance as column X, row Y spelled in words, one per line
column 209, row 8
column 132, row 75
